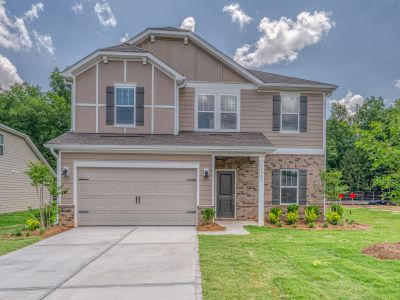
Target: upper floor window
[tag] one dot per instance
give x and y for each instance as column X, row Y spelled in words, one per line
column 290, row 109
column 219, row 112
column 125, row 106
column 1, row 145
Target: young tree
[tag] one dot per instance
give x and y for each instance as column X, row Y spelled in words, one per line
column 333, row 184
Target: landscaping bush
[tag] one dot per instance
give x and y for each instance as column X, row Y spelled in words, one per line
column 32, row 224
column 208, row 215
column 311, row 225
column 313, row 208
column 311, row 214
column 275, row 215
column 333, row 217
column 292, row 208
column 292, row 218
column 338, row 208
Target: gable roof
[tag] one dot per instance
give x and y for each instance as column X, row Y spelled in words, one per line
column 28, row 141
column 264, row 80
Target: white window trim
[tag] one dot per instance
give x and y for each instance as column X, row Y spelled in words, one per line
column 125, row 86
column 217, row 92
column 215, row 111
column 287, row 94
column 2, row 144
column 281, row 186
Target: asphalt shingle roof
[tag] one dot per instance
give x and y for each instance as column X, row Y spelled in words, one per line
column 124, row 47
column 185, row 138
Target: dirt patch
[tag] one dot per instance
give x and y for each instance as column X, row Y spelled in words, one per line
column 320, row 226
column 210, row 227
column 55, row 230
column 384, row 251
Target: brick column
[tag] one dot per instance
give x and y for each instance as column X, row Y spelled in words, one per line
column 261, row 166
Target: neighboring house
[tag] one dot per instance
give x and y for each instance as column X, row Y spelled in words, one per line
column 16, row 152
column 165, row 125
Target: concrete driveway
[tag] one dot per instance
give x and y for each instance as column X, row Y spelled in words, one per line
column 105, row 263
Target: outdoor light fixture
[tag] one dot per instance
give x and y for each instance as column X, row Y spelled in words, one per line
column 65, row 171
column 206, row 172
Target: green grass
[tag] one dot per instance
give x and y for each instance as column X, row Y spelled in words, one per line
column 10, row 223
column 279, row 263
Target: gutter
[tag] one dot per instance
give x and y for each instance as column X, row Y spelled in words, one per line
column 58, row 174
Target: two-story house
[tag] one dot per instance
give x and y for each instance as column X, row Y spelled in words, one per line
column 165, row 125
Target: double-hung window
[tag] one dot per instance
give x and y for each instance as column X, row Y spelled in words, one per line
column 1, row 145
column 290, row 108
column 289, row 186
column 125, row 106
column 217, row 112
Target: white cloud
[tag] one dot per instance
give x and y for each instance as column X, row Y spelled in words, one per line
column 397, row 83
column 8, row 73
column 237, row 14
column 124, row 38
column 105, row 14
column 350, row 101
column 281, row 40
column 77, row 8
column 43, row 42
column 33, row 13
column 188, row 24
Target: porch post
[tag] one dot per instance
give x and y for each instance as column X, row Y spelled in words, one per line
column 261, row 202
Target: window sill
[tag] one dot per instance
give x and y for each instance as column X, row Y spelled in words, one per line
column 124, row 126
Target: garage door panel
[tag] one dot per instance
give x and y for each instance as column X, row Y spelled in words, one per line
column 107, row 196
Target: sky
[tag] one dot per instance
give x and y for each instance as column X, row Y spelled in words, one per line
column 354, row 44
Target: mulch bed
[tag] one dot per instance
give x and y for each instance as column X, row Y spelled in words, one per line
column 319, row 226
column 55, row 230
column 384, row 251
column 210, row 227
column 48, row 233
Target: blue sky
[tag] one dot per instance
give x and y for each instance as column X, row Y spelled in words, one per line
column 355, row 45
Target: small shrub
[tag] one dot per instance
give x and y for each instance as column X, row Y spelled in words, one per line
column 313, row 208
column 42, row 230
column 28, row 233
column 333, row 217
column 292, row 208
column 17, row 232
column 208, row 215
column 292, row 218
column 311, row 225
column 311, row 217
column 279, row 224
column 32, row 224
column 325, row 225
column 351, row 221
column 294, row 226
column 275, row 215
column 338, row 208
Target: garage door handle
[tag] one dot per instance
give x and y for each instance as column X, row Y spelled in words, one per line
column 139, row 199
column 190, row 211
column 136, row 199
column 83, row 211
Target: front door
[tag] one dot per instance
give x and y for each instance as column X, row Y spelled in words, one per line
column 225, row 194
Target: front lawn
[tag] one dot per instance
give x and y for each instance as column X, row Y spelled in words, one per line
column 278, row 263
column 9, row 224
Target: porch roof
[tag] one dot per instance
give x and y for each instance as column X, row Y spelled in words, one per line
column 240, row 141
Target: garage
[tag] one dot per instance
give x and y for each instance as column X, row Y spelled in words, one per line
column 136, row 196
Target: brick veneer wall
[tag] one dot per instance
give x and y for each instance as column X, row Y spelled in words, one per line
column 66, row 215
column 246, row 184
column 314, row 164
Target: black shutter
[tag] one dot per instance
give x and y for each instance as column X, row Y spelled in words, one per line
column 303, row 114
column 276, row 118
column 276, row 187
column 110, row 105
column 302, row 187
column 139, row 106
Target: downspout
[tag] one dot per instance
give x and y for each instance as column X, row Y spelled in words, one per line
column 179, row 86
column 58, row 170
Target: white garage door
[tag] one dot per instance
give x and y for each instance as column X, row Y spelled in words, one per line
column 123, row 196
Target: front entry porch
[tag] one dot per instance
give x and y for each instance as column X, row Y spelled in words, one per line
column 239, row 188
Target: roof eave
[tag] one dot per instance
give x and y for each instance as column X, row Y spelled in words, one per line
column 296, row 87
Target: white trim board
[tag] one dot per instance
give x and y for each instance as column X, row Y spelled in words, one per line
column 130, row 165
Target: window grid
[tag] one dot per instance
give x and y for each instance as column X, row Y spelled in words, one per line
column 287, row 182
column 284, row 113
column 205, row 109
column 133, row 91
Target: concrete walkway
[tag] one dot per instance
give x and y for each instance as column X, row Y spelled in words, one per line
column 105, row 263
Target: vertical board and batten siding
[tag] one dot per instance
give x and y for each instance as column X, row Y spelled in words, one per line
column 256, row 114
column 16, row 191
column 192, row 61
column 113, row 73
column 204, row 160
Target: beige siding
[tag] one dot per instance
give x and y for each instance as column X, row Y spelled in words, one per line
column 204, row 160
column 16, row 191
column 113, row 73
column 186, row 109
column 256, row 116
column 192, row 61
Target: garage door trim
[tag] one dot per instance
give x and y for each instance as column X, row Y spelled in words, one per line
column 130, row 165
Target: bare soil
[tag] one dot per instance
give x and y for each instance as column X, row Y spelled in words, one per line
column 384, row 251
column 210, row 227
column 319, row 226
